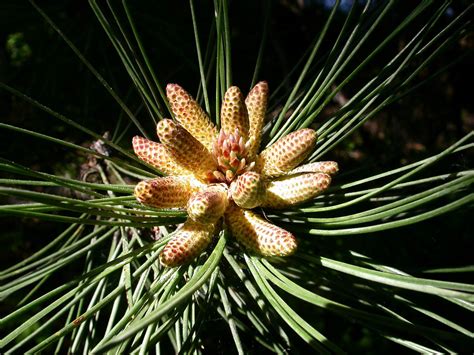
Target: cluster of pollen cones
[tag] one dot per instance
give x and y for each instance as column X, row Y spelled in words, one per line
column 219, row 176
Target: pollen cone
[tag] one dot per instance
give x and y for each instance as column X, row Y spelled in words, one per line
column 248, row 190
column 256, row 103
column 286, row 153
column 187, row 243
column 164, row 192
column 292, row 190
column 185, row 149
column 190, row 115
column 258, row 235
column 208, row 205
column 234, row 115
column 155, row 154
column 326, row 167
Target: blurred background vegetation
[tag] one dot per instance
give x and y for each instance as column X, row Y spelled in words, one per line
column 36, row 61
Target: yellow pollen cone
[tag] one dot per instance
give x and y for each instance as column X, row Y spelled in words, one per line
column 209, row 204
column 234, row 115
column 248, row 190
column 187, row 243
column 155, row 154
column 258, row 235
column 286, row 153
column 326, row 167
column 292, row 190
column 185, row 149
column 256, row 103
column 219, row 177
column 190, row 115
column 164, row 192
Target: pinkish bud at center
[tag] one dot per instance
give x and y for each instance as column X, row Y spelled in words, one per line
column 230, row 151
